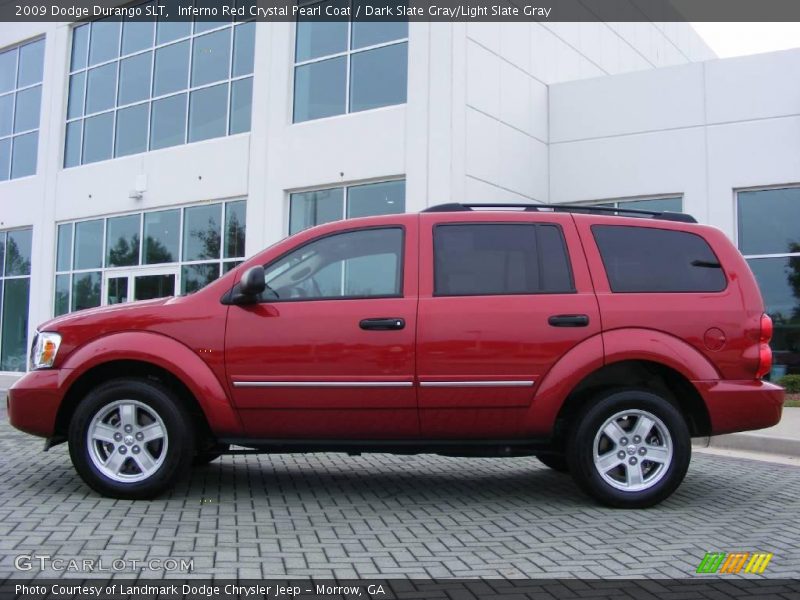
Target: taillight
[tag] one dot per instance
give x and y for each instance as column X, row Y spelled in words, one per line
column 764, row 351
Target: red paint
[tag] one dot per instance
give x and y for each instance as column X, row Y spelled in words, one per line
column 716, row 341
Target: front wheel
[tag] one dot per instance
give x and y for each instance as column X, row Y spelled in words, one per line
column 630, row 449
column 131, row 439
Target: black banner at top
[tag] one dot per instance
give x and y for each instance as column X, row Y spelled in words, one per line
column 411, row 10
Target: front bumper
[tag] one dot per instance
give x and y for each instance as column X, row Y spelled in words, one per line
column 741, row 405
column 34, row 400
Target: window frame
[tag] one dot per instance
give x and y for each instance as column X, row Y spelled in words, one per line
column 400, row 274
column 347, row 54
column 151, row 99
column 13, row 93
column 535, row 225
column 679, row 231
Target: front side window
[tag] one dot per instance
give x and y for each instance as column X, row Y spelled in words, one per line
column 308, row 209
column 769, row 238
column 15, row 287
column 141, row 85
column 343, row 67
column 646, row 259
column 146, row 255
column 500, row 259
column 367, row 263
column 21, row 71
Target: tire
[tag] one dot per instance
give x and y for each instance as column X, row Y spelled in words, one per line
column 653, row 464
column 557, row 462
column 142, row 439
column 205, row 457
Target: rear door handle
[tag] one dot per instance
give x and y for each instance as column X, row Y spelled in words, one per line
column 383, row 324
column 569, row 320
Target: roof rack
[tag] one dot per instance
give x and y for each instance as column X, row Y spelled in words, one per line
column 568, row 208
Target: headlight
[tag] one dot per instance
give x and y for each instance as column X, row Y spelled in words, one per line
column 44, row 350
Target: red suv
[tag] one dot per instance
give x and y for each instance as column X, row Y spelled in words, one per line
column 599, row 341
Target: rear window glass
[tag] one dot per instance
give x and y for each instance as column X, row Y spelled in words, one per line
column 494, row 259
column 643, row 259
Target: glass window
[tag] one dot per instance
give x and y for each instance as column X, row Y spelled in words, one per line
column 167, row 75
column 8, row 70
column 31, row 63
column 134, row 79
column 64, row 252
column 376, row 199
column 14, row 343
column 319, row 89
column 89, row 244
column 104, row 42
column 77, row 84
column 20, row 108
column 122, row 241
column 18, row 253
column 328, row 64
column 131, row 134
column 234, row 229
column 201, row 232
column 23, row 155
column 147, row 287
column 27, row 104
column 378, row 77
column 2, row 252
column 61, row 301
column 161, row 234
column 168, row 122
column 646, row 259
column 371, row 33
column 208, row 111
column 211, row 57
column 101, row 88
column 499, row 259
column 241, row 105
column 98, row 132
column 308, row 209
column 244, row 49
column 768, row 221
column 137, row 35
column 195, row 277
column 354, row 264
column 80, row 47
column 172, row 69
column 6, row 114
column 86, row 290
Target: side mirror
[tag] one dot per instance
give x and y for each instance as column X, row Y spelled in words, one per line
column 252, row 283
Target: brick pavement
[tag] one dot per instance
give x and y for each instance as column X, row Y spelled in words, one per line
column 330, row 515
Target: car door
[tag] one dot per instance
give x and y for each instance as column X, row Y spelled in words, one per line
column 500, row 302
column 328, row 352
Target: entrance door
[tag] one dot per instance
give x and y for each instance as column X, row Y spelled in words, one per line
column 128, row 285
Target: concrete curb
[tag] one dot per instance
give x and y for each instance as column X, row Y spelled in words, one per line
column 763, row 444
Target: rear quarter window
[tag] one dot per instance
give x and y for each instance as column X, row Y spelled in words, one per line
column 645, row 259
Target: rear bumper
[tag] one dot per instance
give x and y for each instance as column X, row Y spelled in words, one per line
column 34, row 400
column 741, row 405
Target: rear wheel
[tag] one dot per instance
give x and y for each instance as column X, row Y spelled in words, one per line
column 131, row 438
column 630, row 449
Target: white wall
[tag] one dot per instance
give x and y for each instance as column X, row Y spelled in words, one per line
column 701, row 130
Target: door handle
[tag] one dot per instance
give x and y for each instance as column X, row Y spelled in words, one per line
column 383, row 324
column 569, row 320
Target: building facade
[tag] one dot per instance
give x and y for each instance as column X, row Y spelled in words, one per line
column 145, row 159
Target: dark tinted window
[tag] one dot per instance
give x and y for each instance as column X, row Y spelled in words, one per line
column 482, row 259
column 642, row 259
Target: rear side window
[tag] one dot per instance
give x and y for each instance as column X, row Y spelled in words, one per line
column 643, row 259
column 494, row 259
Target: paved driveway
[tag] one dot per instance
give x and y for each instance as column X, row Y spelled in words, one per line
column 379, row 515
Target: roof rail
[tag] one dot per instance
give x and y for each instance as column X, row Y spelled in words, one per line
column 568, row 208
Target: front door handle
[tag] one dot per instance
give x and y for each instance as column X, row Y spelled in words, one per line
column 383, row 324
column 569, row 320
